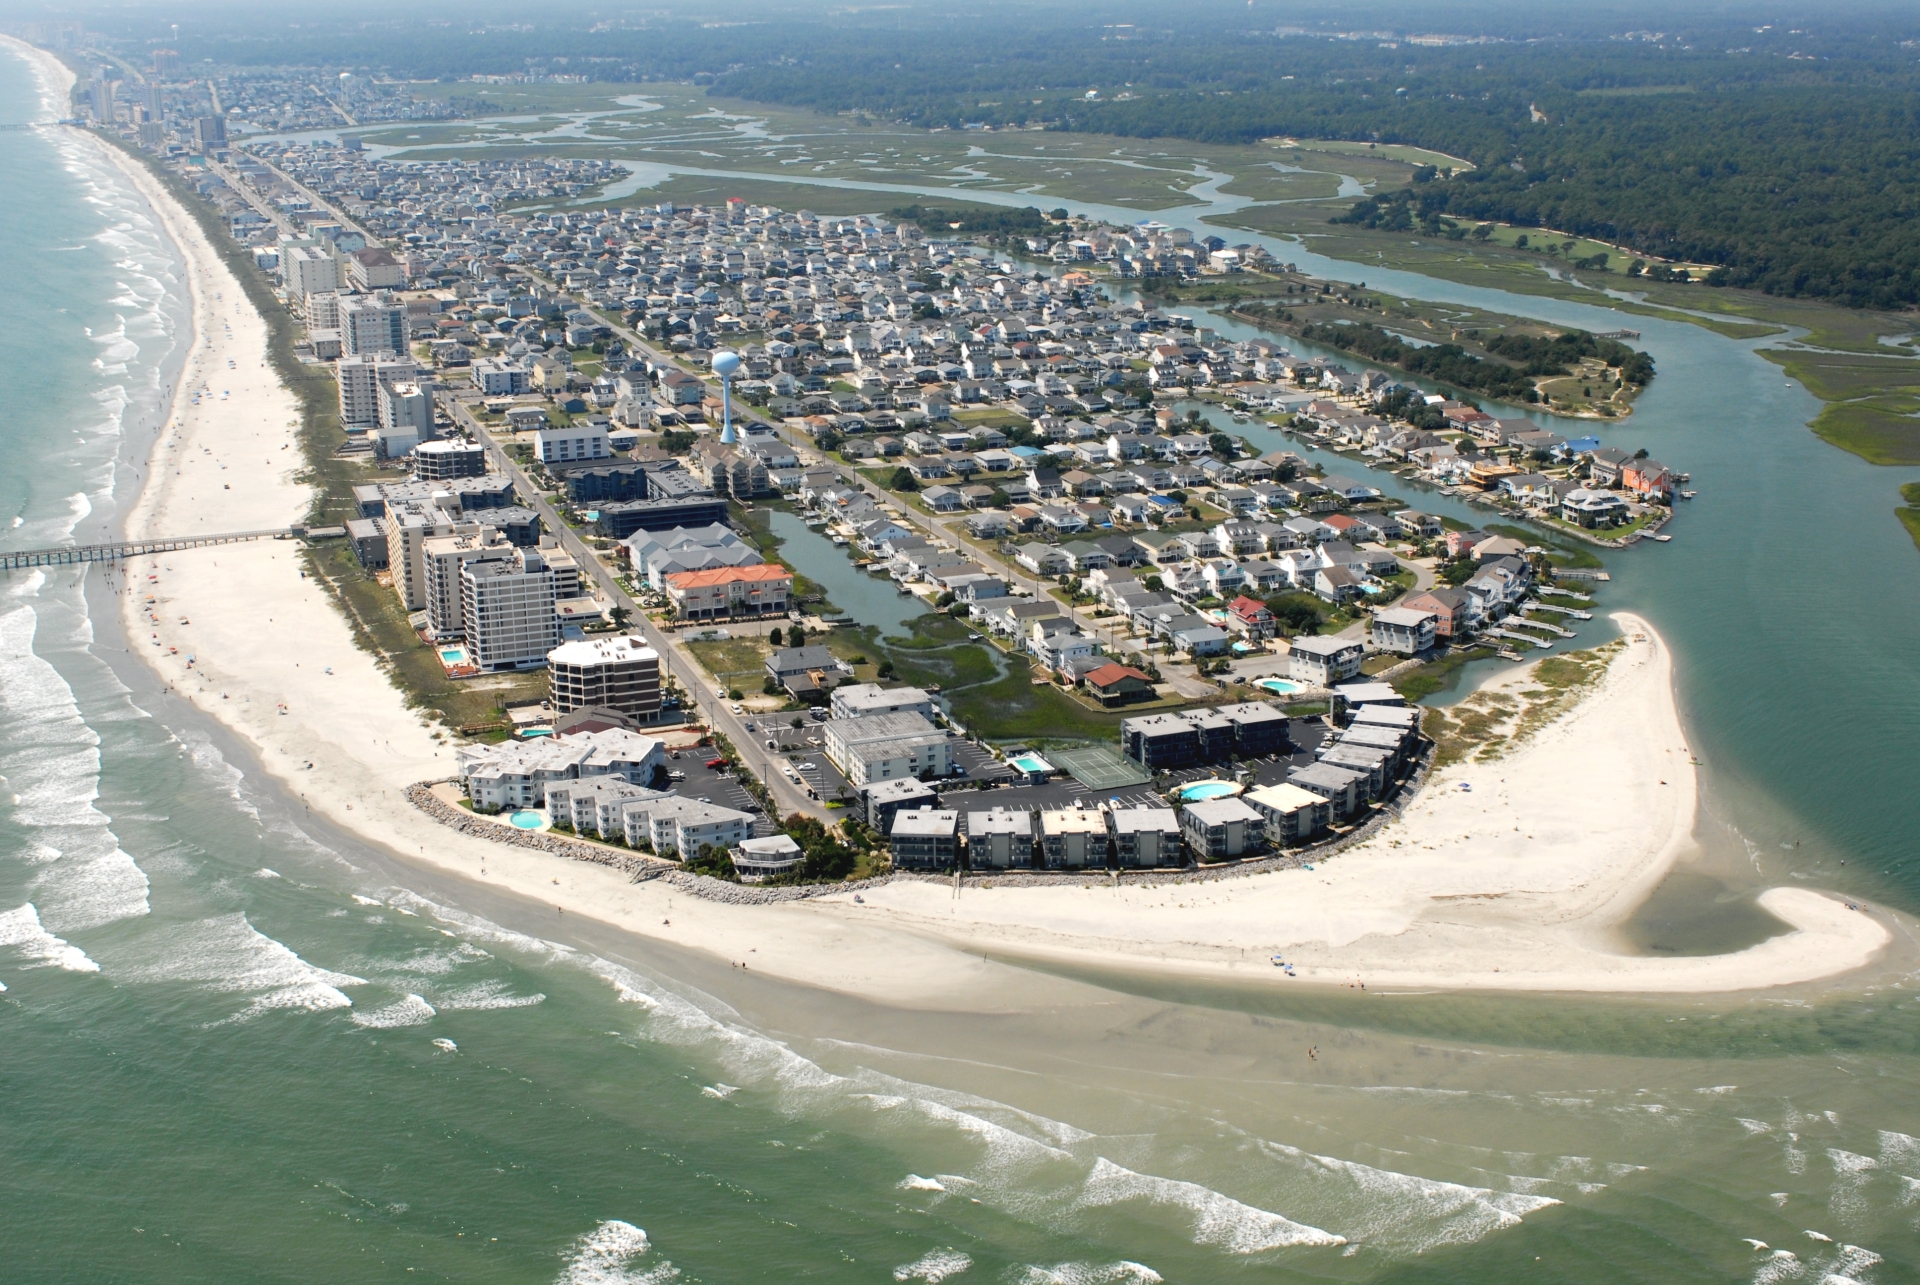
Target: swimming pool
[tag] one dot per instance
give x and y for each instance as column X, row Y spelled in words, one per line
column 1278, row 686
column 453, row 656
column 1209, row 790
column 526, row 819
column 1031, row 765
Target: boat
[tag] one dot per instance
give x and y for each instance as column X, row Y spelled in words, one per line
column 1688, row 495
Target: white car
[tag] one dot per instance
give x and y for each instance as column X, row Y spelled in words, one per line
column 736, row 709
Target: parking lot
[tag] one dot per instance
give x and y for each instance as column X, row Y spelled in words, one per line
column 720, row 788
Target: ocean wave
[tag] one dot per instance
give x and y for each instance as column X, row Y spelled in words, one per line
column 934, row 1267
column 227, row 954
column 1123, row 1272
column 609, row 1255
column 410, row 1010
column 1213, row 1218
column 485, row 996
column 21, row 929
column 51, row 759
column 1399, row 1212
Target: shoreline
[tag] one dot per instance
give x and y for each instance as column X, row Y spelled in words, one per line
column 327, row 723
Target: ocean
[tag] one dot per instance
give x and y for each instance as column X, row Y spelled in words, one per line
column 238, row 1045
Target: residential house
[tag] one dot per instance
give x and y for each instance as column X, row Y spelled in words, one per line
column 1406, row 630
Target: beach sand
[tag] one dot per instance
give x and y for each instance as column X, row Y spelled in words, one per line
column 1517, row 885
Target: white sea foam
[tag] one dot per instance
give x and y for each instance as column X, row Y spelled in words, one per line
column 229, row 955
column 1899, row 1150
column 485, row 995
column 720, row 1091
column 1120, row 1273
column 914, row 1182
column 609, row 1255
column 409, row 1010
column 21, row 929
column 1851, row 1174
column 1214, row 1218
column 934, row 1267
column 51, row 758
column 1754, row 1127
column 446, row 1046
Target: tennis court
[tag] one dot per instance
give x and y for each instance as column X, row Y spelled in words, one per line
column 1100, row 767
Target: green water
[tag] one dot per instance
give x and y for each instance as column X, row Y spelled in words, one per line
column 238, row 1046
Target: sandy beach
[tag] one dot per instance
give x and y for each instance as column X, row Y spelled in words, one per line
column 1518, row 884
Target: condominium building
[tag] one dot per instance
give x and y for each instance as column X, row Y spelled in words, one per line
column 519, row 774
column 372, row 324
column 924, row 838
column 1072, row 838
column 508, row 610
column 887, row 747
column 1000, row 839
column 730, row 591
column 443, row 557
column 1146, row 836
column 308, row 270
column 1220, row 828
column 860, row 700
column 445, row 461
column 1292, row 814
column 620, row 674
column 681, row 827
column 570, row 445
column 360, row 378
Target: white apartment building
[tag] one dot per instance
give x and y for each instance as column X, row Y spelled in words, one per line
column 443, row 556
column 570, row 445
column 860, row 700
column 1324, row 661
column 323, row 310
column 508, row 611
column 679, row 827
column 372, row 324
column 360, row 378
column 408, row 530
column 887, row 747
column 309, row 269
column 497, row 377
column 518, row 774
column 404, row 404
column 621, row 674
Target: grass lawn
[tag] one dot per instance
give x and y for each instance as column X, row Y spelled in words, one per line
column 734, row 659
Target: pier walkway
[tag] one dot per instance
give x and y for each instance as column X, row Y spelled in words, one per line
column 67, row 554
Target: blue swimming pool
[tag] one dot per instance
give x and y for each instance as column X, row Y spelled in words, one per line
column 1208, row 790
column 1031, row 765
column 1278, row 686
column 526, row 819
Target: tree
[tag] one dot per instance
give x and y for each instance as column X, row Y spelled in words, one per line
column 902, row 480
column 773, row 636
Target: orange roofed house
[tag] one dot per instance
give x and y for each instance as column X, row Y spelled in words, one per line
column 1116, row 684
column 730, row 591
